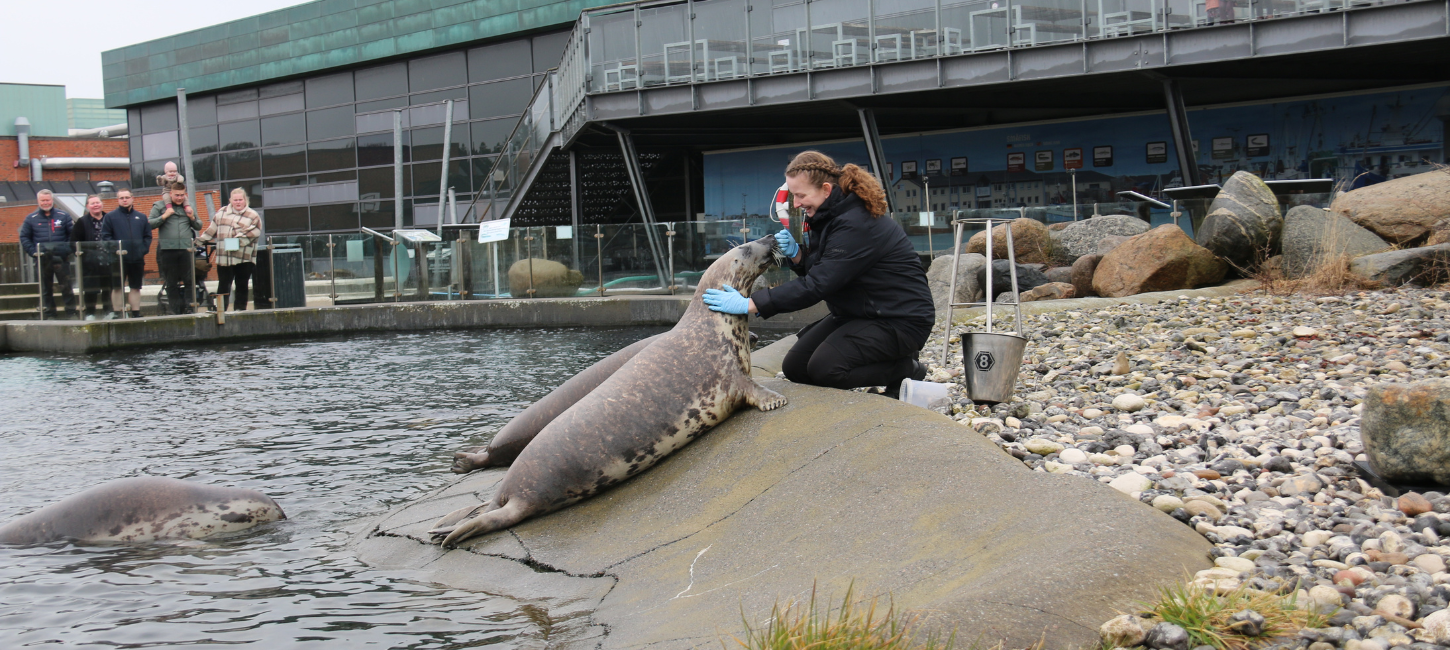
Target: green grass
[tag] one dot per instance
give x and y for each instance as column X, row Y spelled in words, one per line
column 853, row 625
column 1205, row 616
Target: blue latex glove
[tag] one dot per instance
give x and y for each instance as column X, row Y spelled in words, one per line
column 787, row 244
column 727, row 300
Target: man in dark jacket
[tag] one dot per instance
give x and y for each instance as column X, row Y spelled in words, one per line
column 132, row 230
column 45, row 236
column 95, row 261
column 176, row 227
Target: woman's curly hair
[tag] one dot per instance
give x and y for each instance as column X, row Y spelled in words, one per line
column 820, row 169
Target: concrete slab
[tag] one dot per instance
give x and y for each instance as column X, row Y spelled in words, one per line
column 841, row 487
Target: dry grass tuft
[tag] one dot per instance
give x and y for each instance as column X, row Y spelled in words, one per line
column 854, row 625
column 1205, row 616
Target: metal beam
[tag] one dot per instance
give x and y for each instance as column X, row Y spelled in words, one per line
column 641, row 198
column 874, row 152
column 1182, row 139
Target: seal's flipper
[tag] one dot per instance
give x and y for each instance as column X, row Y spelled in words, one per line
column 759, row 396
column 467, row 461
column 448, row 522
column 487, row 522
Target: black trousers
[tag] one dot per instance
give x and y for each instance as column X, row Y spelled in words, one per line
column 97, row 282
column 176, row 266
column 242, row 273
column 55, row 269
column 855, row 353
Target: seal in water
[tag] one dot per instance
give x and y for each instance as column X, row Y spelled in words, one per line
column 687, row 380
column 143, row 509
column 514, row 436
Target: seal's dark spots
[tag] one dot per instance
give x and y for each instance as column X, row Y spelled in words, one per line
column 116, row 530
column 236, row 518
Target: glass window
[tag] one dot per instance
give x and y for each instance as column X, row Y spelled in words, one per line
column 428, row 143
column 240, row 164
column 287, row 181
column 330, row 90
column 376, row 214
column 499, row 98
column 236, row 96
column 481, row 167
column 489, row 135
column 160, row 146
column 203, row 140
column 438, row 71
column 280, row 89
column 284, row 129
column 429, row 114
column 158, row 117
column 242, row 111
column 377, row 183
column 330, row 155
column 382, row 81
column 382, row 104
column 438, row 96
column 255, row 198
column 283, row 104
column 200, row 111
column 284, row 160
column 239, row 135
column 549, row 49
column 613, row 65
column 425, row 177
column 330, row 123
column 203, row 169
column 279, row 220
column 374, row 122
column 510, row 59
column 339, row 216
column 133, row 128
column 378, row 149
column 334, row 177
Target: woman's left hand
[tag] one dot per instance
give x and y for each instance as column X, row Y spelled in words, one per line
column 727, row 300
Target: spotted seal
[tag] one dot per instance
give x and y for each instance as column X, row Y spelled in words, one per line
column 143, row 509
column 684, row 382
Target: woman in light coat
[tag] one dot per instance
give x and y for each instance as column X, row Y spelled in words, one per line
column 235, row 229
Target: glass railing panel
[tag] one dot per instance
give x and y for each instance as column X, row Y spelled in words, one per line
column 907, row 29
column 1035, row 22
column 613, row 61
column 95, row 275
column 981, row 24
column 840, row 33
column 777, row 37
column 1118, row 18
column 666, row 54
column 1179, row 14
column 720, row 40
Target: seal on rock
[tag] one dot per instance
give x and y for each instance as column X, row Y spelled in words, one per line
column 678, row 386
column 514, row 436
column 143, row 509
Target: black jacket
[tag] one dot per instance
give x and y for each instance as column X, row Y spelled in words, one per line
column 85, row 231
column 131, row 228
column 862, row 266
column 50, row 233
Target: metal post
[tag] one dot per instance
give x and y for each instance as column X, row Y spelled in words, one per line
column 397, row 276
column 40, row 282
column 988, row 289
column 80, row 277
column 957, row 227
column 272, row 276
column 529, row 255
column 574, row 204
column 599, row 255
column 125, row 288
column 379, row 271
column 493, row 254
column 670, row 239
column 874, row 152
column 1012, row 268
column 397, row 174
column 191, row 290
column 332, row 268
column 185, row 147
column 930, row 251
column 443, row 175
column 1182, row 138
column 1073, row 174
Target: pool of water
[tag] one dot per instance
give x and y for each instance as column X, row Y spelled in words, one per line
column 337, row 430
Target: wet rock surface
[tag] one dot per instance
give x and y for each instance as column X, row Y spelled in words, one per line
column 1248, row 421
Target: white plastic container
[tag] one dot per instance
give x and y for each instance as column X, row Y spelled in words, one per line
column 926, row 394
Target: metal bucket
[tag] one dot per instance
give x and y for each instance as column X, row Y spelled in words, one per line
column 992, row 361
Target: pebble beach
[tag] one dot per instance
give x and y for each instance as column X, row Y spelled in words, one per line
column 1240, row 417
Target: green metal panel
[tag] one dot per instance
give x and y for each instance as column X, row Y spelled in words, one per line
column 314, row 37
column 44, row 106
column 90, row 114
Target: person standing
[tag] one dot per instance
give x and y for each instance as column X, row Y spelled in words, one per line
column 45, row 236
column 176, row 227
column 235, row 229
column 132, row 231
column 95, row 262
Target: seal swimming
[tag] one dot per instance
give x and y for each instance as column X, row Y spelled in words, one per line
column 678, row 386
column 143, row 509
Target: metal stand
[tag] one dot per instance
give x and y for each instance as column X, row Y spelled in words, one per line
column 959, row 225
column 599, row 255
column 272, row 272
column 670, row 239
column 125, row 307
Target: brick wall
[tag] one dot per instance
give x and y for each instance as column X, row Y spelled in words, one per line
column 64, row 148
column 13, row 214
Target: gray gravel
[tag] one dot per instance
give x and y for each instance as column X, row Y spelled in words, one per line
column 1240, row 417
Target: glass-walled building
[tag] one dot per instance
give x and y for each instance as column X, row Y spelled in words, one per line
column 316, row 154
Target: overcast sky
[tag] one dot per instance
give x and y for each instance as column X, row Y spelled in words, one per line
column 60, row 41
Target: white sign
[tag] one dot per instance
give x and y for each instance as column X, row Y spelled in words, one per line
column 496, row 230
column 563, row 232
column 924, row 219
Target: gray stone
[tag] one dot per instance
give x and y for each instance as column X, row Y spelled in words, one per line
column 1082, row 237
column 1313, row 236
column 1108, row 243
column 768, row 504
column 1059, row 274
column 1082, row 275
column 1167, row 636
column 1247, row 622
column 1403, row 210
column 938, row 279
column 1425, row 266
column 1243, row 223
column 1406, row 431
column 1027, row 277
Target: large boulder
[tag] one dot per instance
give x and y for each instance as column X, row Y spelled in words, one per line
column 1029, row 237
column 1406, row 431
column 1059, row 274
column 1402, row 211
column 1081, row 238
column 938, row 279
column 1439, row 233
column 1050, row 291
column 1162, row 259
column 1243, row 223
column 1082, row 275
column 1313, row 237
column 548, row 278
column 835, row 488
column 1424, row 266
column 1028, row 278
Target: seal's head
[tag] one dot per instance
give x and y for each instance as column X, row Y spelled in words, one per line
column 741, row 266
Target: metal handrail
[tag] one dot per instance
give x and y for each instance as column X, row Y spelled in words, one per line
column 544, row 89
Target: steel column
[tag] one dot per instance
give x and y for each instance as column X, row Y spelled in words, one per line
column 443, row 175
column 398, row 170
column 641, row 197
column 875, row 153
column 1182, row 139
